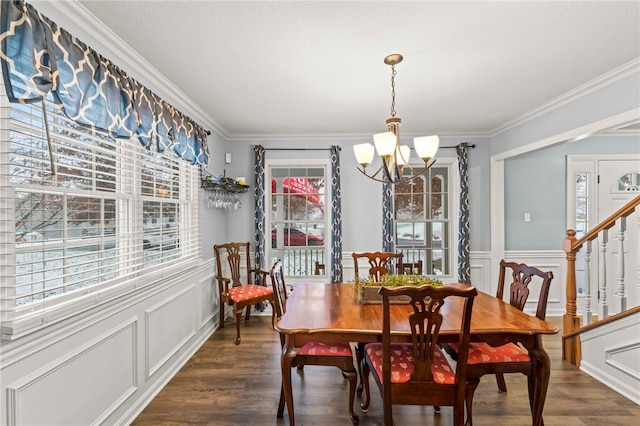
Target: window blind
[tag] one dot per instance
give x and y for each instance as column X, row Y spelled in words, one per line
column 113, row 212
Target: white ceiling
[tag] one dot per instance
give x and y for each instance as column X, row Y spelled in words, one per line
column 315, row 68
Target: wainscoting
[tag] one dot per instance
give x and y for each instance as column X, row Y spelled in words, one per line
column 105, row 366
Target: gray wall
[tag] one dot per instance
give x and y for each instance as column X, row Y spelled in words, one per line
column 361, row 197
column 536, row 184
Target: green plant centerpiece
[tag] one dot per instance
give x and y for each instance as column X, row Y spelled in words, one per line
column 366, row 289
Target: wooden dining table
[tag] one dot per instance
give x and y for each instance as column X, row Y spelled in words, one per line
column 332, row 313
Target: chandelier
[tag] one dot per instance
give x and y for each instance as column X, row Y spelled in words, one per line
column 395, row 157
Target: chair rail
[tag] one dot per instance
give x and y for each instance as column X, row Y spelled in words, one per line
column 571, row 350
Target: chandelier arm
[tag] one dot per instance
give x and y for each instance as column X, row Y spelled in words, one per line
column 386, row 167
column 404, row 179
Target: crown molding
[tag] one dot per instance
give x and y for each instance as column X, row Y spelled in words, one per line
column 135, row 63
column 616, row 74
column 256, row 137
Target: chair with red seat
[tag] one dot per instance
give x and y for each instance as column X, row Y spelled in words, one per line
column 236, row 292
column 418, row 373
column 510, row 358
column 379, row 263
column 313, row 353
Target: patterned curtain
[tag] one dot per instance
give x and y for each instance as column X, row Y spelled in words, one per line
column 259, row 208
column 336, row 217
column 464, row 267
column 387, row 217
column 39, row 59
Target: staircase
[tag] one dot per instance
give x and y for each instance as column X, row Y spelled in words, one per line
column 605, row 344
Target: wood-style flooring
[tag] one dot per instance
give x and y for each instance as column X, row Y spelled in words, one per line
column 225, row 384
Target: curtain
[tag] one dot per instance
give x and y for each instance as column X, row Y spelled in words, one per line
column 336, row 217
column 387, row 217
column 259, row 191
column 39, row 59
column 464, row 267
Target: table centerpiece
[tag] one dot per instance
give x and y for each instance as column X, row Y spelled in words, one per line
column 366, row 289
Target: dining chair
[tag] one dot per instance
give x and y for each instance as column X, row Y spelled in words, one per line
column 379, row 263
column 510, row 358
column 418, row 373
column 233, row 290
column 313, row 353
column 412, row 268
column 319, row 268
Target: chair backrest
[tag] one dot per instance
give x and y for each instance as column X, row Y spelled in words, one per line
column 522, row 275
column 279, row 289
column 235, row 253
column 414, row 268
column 319, row 268
column 378, row 263
column 425, row 321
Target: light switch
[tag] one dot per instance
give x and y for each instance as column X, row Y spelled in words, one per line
column 527, row 217
column 227, row 158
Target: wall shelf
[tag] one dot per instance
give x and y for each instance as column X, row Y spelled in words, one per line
column 224, row 185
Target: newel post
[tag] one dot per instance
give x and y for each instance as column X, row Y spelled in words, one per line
column 570, row 322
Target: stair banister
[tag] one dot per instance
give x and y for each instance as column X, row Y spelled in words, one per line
column 571, row 246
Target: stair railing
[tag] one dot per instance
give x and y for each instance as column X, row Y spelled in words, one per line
column 571, row 246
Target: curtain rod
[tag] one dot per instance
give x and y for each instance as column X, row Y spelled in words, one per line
column 453, row 147
column 329, row 149
column 297, row 149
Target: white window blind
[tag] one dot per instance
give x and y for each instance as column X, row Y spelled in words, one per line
column 112, row 212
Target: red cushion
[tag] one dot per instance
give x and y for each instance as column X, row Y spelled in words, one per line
column 484, row 353
column 402, row 363
column 322, row 349
column 245, row 292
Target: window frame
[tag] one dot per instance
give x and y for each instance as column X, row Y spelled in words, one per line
column 133, row 272
column 299, row 163
column 453, row 206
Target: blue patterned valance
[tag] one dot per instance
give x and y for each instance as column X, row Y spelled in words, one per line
column 38, row 57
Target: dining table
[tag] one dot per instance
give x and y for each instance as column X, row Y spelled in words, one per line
column 333, row 313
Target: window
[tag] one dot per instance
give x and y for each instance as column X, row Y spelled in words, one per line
column 113, row 211
column 582, row 219
column 422, row 212
column 297, row 217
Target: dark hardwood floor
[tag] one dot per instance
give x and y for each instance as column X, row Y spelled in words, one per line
column 225, row 384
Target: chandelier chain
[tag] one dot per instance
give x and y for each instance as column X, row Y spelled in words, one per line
column 393, row 90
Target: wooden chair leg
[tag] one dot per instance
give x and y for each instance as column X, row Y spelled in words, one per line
column 238, row 315
column 502, row 386
column 273, row 313
column 364, row 379
column 468, row 399
column 353, row 382
column 359, row 362
column 221, row 324
column 281, row 403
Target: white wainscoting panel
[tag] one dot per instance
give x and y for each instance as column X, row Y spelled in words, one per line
column 209, row 300
column 553, row 261
column 91, row 382
column 611, row 354
column 169, row 324
column 481, row 279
